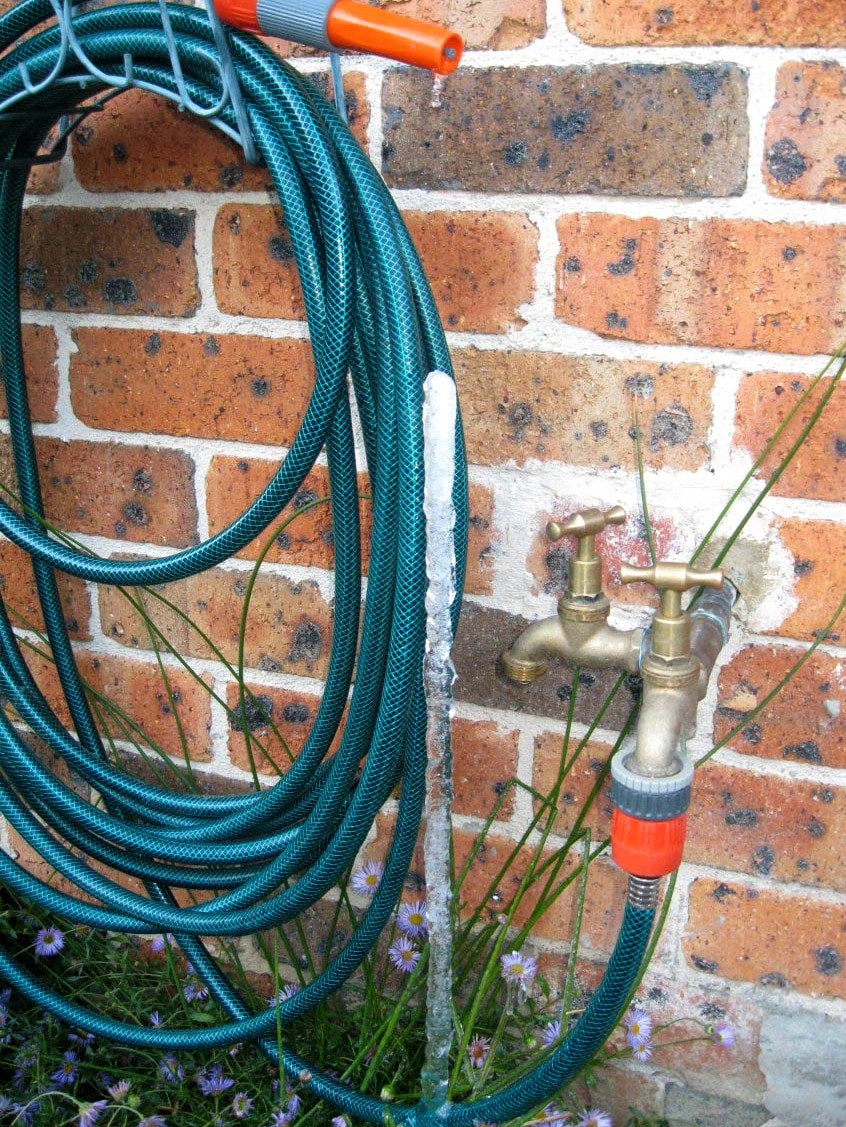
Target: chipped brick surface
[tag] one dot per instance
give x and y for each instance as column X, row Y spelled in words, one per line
column 518, row 406
column 135, row 493
column 549, row 561
column 805, row 723
column 480, row 265
column 496, row 24
column 819, row 568
column 778, row 941
column 766, row 826
column 794, row 23
column 805, row 144
column 39, row 347
column 630, row 130
column 721, row 282
column 817, row 469
column 143, row 143
column 108, row 260
column 289, row 625
column 17, row 584
column 244, row 389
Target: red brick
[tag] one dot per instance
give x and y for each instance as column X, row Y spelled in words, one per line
column 819, row 566
column 726, row 283
column 233, row 483
column 289, row 624
column 135, row 493
column 248, row 389
column 805, row 723
column 581, row 410
column 576, row 786
column 767, row 826
column 480, row 265
column 756, row 935
column 816, row 470
column 604, row 902
column 795, row 23
column 484, row 759
column 274, row 745
column 496, row 24
column 255, row 273
column 39, row 344
column 138, row 690
column 17, row 584
column 143, row 143
column 109, row 260
column 806, row 130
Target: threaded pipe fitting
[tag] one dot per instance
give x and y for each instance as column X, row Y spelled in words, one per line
column 643, row 893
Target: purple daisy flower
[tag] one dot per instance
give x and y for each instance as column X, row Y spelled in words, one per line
column 283, row 994
column 518, row 969
column 65, row 1074
column 195, row 990
column 156, row 1019
column 553, row 1116
column 280, row 1119
column 550, row 1033
column 339, row 1121
column 723, row 1035
column 638, row 1025
column 242, row 1105
column 411, row 919
column 48, row 941
column 642, row 1052
column 595, row 1118
column 403, row 954
column 153, row 1121
column 120, row 1090
column 171, row 1070
column 81, row 1038
column 215, row 1081
column 366, row 879
column 90, row 1113
column 478, row 1049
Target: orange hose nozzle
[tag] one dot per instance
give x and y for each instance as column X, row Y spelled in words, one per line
column 361, row 27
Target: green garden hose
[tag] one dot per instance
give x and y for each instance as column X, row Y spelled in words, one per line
column 269, row 855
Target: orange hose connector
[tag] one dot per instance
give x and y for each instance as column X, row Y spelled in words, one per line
column 647, row 849
column 361, row 27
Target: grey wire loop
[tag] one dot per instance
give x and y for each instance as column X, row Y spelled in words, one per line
column 222, row 63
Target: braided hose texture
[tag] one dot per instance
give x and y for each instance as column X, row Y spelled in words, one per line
column 265, row 856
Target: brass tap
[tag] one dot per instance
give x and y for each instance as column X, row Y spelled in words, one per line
column 670, row 638
column 585, row 578
column 579, row 633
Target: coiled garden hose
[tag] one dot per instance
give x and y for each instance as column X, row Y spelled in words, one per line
column 272, row 854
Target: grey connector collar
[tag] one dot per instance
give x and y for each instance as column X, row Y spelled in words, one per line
column 650, row 799
column 299, row 21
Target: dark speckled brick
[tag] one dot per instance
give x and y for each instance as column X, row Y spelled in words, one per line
column 608, row 129
column 483, row 633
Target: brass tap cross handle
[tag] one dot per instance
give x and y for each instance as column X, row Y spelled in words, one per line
column 671, row 627
column 586, row 569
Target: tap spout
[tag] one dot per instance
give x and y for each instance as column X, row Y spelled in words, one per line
column 578, row 635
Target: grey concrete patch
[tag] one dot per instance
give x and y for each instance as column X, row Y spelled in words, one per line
column 802, row 1057
column 687, row 1107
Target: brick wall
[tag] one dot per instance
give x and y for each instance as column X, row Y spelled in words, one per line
column 624, row 209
